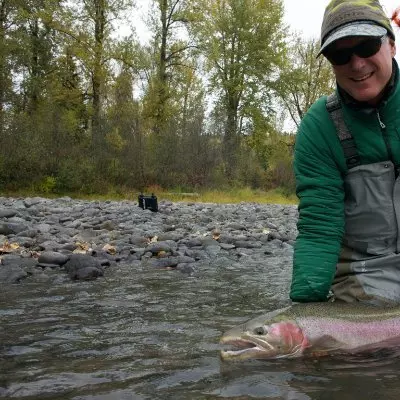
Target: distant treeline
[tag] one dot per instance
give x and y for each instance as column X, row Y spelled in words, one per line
column 201, row 105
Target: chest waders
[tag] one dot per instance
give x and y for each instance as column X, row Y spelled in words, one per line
column 368, row 269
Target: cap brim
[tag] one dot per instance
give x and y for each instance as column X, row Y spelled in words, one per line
column 354, row 29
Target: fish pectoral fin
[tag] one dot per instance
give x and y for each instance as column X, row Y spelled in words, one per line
column 325, row 345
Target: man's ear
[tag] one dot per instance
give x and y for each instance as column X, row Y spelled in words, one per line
column 392, row 47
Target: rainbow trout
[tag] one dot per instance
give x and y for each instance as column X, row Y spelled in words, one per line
column 314, row 329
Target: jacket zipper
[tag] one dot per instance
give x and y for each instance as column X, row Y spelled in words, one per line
column 385, row 138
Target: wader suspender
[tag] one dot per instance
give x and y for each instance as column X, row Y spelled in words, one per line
column 334, row 108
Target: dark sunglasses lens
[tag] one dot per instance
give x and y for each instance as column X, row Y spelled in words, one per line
column 365, row 49
column 339, row 57
column 368, row 48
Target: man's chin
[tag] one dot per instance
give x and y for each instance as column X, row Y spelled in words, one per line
column 365, row 96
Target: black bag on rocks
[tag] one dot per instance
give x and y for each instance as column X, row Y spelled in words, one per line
column 148, row 202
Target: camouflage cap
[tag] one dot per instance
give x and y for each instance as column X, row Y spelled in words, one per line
column 345, row 18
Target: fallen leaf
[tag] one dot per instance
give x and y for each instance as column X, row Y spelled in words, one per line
column 8, row 247
column 109, row 249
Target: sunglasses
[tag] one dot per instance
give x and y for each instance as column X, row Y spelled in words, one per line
column 367, row 48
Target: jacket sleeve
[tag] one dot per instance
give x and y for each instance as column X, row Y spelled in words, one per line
column 319, row 186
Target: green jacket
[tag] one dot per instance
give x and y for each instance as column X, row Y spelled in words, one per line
column 319, row 166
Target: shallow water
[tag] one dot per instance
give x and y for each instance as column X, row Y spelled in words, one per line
column 153, row 334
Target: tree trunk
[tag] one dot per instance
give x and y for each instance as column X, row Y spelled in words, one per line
column 3, row 70
column 97, row 74
column 231, row 137
column 35, row 67
column 162, row 75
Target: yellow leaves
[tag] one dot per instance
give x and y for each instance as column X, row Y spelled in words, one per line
column 109, row 249
column 81, row 248
column 153, row 239
column 216, row 234
column 8, row 247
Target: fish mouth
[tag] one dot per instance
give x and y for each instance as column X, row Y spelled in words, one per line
column 242, row 349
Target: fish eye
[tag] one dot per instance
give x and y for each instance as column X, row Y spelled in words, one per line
column 260, row 330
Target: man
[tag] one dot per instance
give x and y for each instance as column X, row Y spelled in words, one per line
column 347, row 158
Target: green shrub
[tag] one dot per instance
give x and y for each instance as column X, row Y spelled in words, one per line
column 47, row 185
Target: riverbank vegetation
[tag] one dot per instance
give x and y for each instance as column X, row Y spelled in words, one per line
column 204, row 105
column 228, row 196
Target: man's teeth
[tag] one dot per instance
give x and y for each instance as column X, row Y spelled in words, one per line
column 362, row 78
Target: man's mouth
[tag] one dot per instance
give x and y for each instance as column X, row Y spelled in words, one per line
column 362, row 78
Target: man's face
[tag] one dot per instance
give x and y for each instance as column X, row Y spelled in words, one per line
column 365, row 78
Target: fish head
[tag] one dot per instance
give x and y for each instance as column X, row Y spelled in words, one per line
column 270, row 336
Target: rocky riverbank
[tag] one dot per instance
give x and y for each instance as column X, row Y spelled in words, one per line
column 61, row 239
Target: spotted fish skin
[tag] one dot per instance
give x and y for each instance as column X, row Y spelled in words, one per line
column 313, row 329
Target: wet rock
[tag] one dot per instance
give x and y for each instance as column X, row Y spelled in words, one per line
column 65, row 218
column 274, row 235
column 29, row 202
column 186, row 268
column 47, row 265
column 43, row 228
column 229, row 239
column 68, row 247
column 271, row 225
column 248, row 244
column 10, row 228
column 30, row 233
column 159, row 246
column 138, row 241
column 53, row 257
column 23, row 241
column 82, row 266
column 194, row 242
column 74, row 224
column 108, row 225
column 173, row 236
column 39, row 277
column 19, row 205
column 7, row 213
column 87, row 273
column 12, row 273
column 17, row 260
column 211, row 247
column 48, row 245
column 237, row 226
column 169, row 262
column 196, row 254
column 226, row 246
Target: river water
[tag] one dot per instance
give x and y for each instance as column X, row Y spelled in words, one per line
column 153, row 334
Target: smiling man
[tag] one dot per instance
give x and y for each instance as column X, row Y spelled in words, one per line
column 347, row 160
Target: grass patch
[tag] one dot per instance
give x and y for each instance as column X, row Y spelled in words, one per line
column 228, row 196
column 246, row 195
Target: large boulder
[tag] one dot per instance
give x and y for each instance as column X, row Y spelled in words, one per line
column 82, row 266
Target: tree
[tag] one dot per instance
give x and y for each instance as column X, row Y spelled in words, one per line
column 89, row 24
column 170, row 52
column 125, row 135
column 164, row 97
column 8, row 11
column 37, row 47
column 243, row 42
column 303, row 79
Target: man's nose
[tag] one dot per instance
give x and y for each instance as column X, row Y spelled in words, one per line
column 357, row 62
